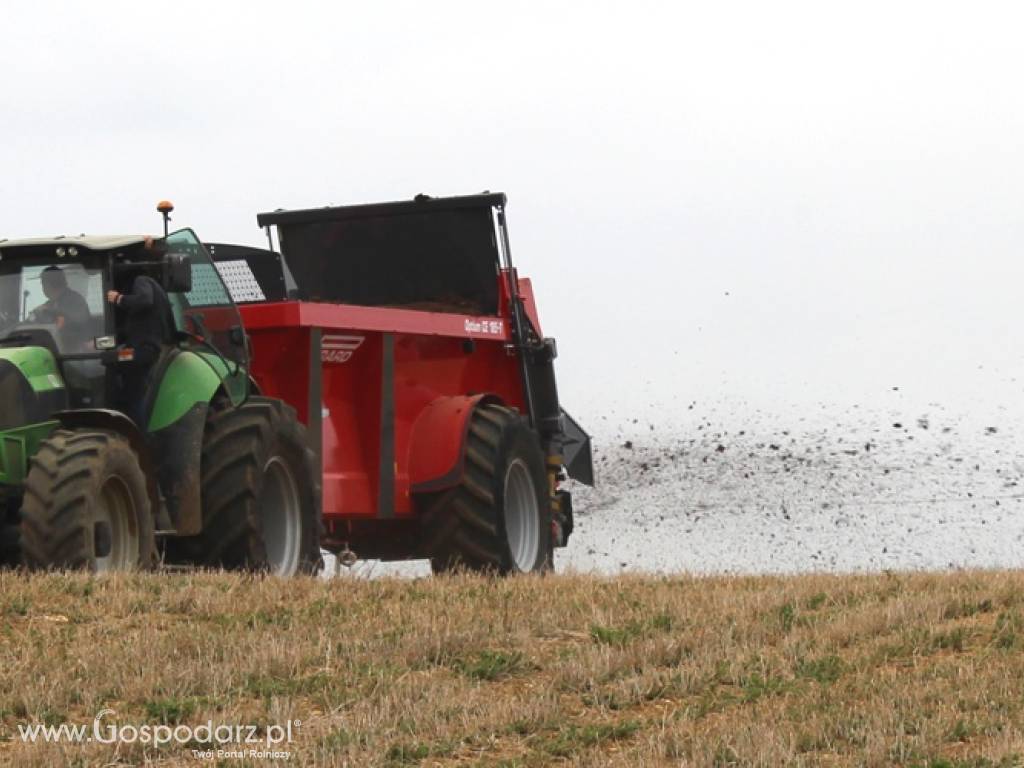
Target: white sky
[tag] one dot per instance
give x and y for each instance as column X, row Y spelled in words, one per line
column 765, row 204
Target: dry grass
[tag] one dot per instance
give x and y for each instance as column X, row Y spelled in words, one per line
column 817, row 670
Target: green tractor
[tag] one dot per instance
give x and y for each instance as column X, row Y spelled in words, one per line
column 207, row 472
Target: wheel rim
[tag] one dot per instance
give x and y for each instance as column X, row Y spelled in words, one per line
column 281, row 510
column 114, row 529
column 522, row 516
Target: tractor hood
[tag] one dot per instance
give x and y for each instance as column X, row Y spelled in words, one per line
column 31, row 387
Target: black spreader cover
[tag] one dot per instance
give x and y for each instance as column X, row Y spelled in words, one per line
column 431, row 253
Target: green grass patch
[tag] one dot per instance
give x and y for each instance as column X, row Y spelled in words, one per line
column 411, row 754
column 170, row 711
column 491, row 665
column 787, row 616
column 960, row 609
column 634, row 630
column 572, row 739
column 1008, row 630
column 814, row 602
column 953, row 640
column 758, row 686
column 825, row 670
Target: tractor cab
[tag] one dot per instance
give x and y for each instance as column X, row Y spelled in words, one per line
column 53, row 310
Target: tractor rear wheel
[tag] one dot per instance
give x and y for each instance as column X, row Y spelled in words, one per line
column 260, row 491
column 86, row 505
column 498, row 518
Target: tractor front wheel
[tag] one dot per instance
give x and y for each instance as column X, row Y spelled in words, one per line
column 86, row 505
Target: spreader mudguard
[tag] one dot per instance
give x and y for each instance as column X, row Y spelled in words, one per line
column 436, row 449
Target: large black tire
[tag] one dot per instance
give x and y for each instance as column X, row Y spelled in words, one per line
column 86, row 505
column 260, row 492
column 498, row 519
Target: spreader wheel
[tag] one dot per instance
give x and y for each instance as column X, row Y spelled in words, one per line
column 86, row 505
column 260, row 491
column 498, row 518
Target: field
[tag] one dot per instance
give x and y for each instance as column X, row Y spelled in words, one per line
column 916, row 669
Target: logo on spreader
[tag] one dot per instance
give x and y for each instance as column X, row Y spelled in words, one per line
column 335, row 348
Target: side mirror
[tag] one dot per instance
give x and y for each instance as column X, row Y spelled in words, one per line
column 177, row 273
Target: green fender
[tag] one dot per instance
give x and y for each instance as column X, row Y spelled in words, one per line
column 17, row 446
column 191, row 379
column 39, row 368
column 37, row 365
column 176, row 426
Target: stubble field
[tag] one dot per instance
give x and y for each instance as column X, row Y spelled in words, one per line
column 915, row 669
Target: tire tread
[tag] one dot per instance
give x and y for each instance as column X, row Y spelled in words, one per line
column 461, row 526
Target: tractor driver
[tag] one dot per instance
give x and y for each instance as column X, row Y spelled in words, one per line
column 145, row 322
column 66, row 308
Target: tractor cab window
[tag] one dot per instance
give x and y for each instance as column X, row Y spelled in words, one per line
column 59, row 305
column 207, row 310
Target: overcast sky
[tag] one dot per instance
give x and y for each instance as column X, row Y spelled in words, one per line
column 765, row 205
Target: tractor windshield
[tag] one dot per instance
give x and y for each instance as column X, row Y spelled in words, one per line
column 207, row 310
column 50, row 302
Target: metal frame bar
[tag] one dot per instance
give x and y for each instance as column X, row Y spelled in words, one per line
column 386, row 494
column 419, row 205
column 519, row 338
column 315, row 402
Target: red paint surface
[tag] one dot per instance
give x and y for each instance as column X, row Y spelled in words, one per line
column 438, row 376
column 435, row 442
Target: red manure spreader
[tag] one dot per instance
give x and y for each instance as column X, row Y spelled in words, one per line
column 413, row 353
